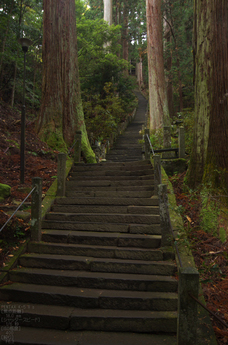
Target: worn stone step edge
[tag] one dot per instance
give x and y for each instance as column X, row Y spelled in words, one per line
column 69, row 262
column 153, row 229
column 135, row 173
column 150, row 210
column 115, row 194
column 112, row 165
column 75, row 176
column 90, row 298
column 102, row 238
column 106, row 218
column 70, row 185
column 96, row 251
column 97, row 280
column 108, row 201
column 67, row 318
column 109, row 183
column 42, row 336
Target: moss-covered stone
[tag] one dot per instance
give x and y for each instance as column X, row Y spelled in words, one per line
column 5, row 190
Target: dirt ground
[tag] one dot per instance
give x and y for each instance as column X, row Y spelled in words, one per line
column 211, row 258
column 40, row 161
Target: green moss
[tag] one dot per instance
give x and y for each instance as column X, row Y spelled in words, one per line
column 53, row 138
column 87, row 150
column 4, row 190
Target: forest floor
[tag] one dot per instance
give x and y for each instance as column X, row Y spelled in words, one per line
column 209, row 252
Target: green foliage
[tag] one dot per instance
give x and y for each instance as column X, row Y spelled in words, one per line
column 156, row 138
column 19, row 19
column 103, row 114
column 209, row 213
column 185, row 119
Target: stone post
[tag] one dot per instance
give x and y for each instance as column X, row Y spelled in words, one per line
column 78, row 147
column 61, row 175
column 164, row 215
column 157, row 173
column 147, row 146
column 187, row 306
column 181, row 141
column 36, row 209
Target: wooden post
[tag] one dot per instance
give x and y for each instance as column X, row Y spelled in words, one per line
column 164, row 215
column 181, row 141
column 36, row 209
column 187, row 306
column 61, row 175
column 78, row 147
column 157, row 173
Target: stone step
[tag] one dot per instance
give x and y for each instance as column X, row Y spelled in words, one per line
column 106, row 218
column 71, row 185
column 96, row 251
column 105, row 209
column 91, row 177
column 109, row 201
column 153, row 229
column 96, row 280
column 110, row 194
column 134, row 164
column 112, row 166
column 44, row 336
column 70, row 262
column 105, row 238
column 109, row 183
column 125, row 173
column 75, row 177
column 90, row 298
column 123, row 157
column 68, row 318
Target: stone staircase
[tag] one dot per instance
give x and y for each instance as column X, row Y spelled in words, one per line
column 99, row 266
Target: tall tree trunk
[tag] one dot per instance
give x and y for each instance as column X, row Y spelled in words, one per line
column 159, row 112
column 108, row 11
column 125, row 41
column 209, row 159
column 61, row 112
column 169, row 62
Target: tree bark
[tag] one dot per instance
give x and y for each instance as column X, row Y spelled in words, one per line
column 108, row 11
column 125, row 41
column 159, row 113
column 209, row 159
column 61, row 112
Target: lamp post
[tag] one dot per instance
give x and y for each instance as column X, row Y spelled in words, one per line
column 25, row 43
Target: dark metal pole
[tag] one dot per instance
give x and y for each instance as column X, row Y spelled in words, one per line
column 22, row 157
